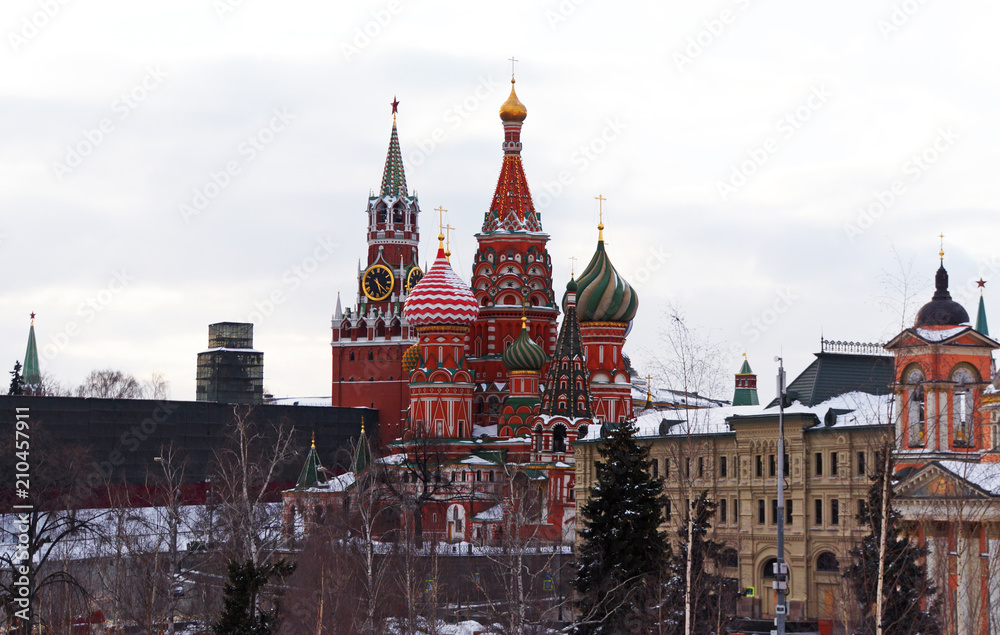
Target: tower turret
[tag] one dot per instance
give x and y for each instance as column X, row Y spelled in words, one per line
column 31, row 377
column 746, row 386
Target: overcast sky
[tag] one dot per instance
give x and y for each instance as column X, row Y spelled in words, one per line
column 166, row 165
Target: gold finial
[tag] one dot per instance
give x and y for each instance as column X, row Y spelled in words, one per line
column 314, row 440
column 447, row 249
column 744, row 355
column 600, row 210
column 440, row 210
column 524, row 314
column 649, row 387
column 362, row 425
column 941, row 253
column 512, row 62
column 572, row 266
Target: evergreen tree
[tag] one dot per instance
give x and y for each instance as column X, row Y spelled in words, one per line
column 621, row 563
column 908, row 605
column 241, row 610
column 713, row 596
column 16, row 381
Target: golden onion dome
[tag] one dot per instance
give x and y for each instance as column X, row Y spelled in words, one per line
column 513, row 109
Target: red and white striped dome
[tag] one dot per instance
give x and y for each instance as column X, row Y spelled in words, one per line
column 441, row 298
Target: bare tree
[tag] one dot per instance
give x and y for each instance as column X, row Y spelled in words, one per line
column 115, row 384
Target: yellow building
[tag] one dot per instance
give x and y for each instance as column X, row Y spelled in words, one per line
column 837, row 421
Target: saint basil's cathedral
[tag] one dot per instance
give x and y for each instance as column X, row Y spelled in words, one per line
column 481, row 380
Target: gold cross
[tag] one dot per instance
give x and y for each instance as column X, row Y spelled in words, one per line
column 440, row 210
column 572, row 267
column 649, row 387
column 941, row 253
column 447, row 249
column 600, row 206
column 512, row 61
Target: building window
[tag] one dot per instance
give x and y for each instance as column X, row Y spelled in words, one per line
column 835, row 512
column 833, row 464
column 666, row 468
column 656, row 468
column 701, row 466
column 371, row 356
column 759, row 463
column 818, row 519
column 861, row 463
column 774, row 511
column 788, row 512
column 760, row 511
column 786, row 466
column 722, row 467
column 722, row 512
column 559, row 439
column 862, row 507
column 917, row 414
column 772, row 466
column 351, row 357
column 729, row 558
column 666, row 511
column 827, row 562
column 819, row 464
column 769, row 566
column 687, row 468
column 962, row 407
column 736, row 511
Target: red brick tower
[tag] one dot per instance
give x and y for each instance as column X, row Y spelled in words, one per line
column 369, row 340
column 511, row 268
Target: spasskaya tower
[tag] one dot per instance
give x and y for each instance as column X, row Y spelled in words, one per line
column 369, row 340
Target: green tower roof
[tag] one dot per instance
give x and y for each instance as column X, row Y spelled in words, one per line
column 604, row 296
column 746, row 386
column 981, row 318
column 312, row 472
column 523, row 354
column 393, row 178
column 745, row 368
column 362, row 453
column 31, row 375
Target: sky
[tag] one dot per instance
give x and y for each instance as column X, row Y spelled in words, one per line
column 773, row 169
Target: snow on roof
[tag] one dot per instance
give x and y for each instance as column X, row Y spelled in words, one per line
column 940, row 336
column 983, row 475
column 476, row 460
column 232, row 350
column 302, row 401
column 487, row 430
column 493, row 513
column 392, row 459
column 859, row 409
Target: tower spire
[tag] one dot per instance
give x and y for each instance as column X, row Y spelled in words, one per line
column 393, row 178
column 31, row 376
column 981, row 315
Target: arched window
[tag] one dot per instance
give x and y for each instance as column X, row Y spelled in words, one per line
column 538, row 438
column 962, row 407
column 768, row 571
column 371, row 356
column 917, row 416
column 559, row 439
column 352, row 356
column 828, row 562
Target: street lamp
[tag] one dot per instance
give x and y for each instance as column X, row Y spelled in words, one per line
column 780, row 566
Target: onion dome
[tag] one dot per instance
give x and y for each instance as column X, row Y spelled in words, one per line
column 411, row 359
column 603, row 295
column 441, row 298
column 941, row 310
column 513, row 109
column 523, row 354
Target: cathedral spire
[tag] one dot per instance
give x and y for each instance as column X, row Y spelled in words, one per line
column 567, row 390
column 32, row 377
column 393, row 178
column 512, row 208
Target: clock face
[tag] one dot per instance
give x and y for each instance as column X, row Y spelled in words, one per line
column 377, row 282
column 413, row 278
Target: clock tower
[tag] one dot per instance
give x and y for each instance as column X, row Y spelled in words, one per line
column 369, row 340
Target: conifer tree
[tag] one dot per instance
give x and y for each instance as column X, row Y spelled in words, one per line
column 908, row 604
column 16, row 381
column 621, row 563
column 241, row 610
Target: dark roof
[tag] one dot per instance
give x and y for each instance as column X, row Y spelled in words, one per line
column 941, row 310
column 832, row 374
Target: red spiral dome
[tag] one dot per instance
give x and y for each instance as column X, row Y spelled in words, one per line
column 441, row 298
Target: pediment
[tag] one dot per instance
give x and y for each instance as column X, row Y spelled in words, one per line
column 933, row 481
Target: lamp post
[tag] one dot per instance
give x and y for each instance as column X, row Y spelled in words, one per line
column 780, row 566
column 170, row 475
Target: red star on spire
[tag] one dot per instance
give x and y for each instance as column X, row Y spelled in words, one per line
column 981, row 283
column 395, row 104
column 32, row 315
